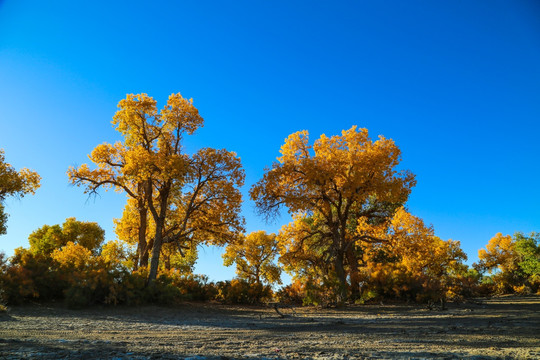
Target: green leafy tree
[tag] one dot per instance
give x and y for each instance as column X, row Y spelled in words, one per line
column 528, row 253
column 48, row 238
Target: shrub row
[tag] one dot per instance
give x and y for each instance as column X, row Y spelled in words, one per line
column 79, row 278
column 35, row 277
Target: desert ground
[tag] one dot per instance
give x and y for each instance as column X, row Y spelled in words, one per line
column 496, row 328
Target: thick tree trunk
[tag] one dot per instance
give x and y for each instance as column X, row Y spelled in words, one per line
column 143, row 248
column 159, row 219
column 342, row 278
column 156, row 251
column 149, row 248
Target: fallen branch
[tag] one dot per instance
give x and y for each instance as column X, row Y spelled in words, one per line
column 277, row 305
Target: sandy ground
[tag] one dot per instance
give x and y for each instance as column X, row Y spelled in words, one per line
column 498, row 328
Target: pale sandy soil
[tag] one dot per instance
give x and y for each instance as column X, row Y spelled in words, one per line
column 498, row 328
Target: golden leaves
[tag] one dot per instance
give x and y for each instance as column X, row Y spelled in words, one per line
column 499, row 253
column 295, row 147
column 72, row 255
column 13, row 183
column 151, row 148
column 413, row 246
column 179, row 113
column 191, row 199
column 336, row 170
column 254, row 256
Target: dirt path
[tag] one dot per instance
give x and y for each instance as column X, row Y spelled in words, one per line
column 493, row 329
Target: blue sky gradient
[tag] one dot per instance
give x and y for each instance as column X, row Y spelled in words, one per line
column 456, row 84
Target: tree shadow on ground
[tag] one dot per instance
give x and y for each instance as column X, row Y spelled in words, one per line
column 20, row 349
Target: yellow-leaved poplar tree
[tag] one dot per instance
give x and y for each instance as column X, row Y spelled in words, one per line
column 331, row 185
column 501, row 259
column 190, row 198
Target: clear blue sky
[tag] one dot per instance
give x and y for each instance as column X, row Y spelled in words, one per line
column 456, row 84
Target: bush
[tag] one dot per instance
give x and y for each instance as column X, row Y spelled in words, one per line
column 162, row 291
column 79, row 278
column 3, row 269
column 293, row 294
column 127, row 288
column 238, row 291
column 30, row 277
column 195, row 287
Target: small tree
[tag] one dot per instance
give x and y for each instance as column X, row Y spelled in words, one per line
column 528, row 251
column 254, row 256
column 411, row 261
column 514, row 262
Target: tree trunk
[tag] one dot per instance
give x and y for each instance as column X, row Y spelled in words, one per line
column 342, row 277
column 354, row 273
column 159, row 220
column 167, row 261
column 143, row 248
column 156, row 251
column 149, row 248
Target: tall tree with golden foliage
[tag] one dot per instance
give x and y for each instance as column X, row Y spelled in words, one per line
column 190, row 198
column 330, row 186
column 499, row 254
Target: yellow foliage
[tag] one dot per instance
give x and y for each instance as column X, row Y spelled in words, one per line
column 13, row 183
column 254, row 256
column 115, row 253
column 72, row 256
column 409, row 242
column 410, row 261
column 331, row 187
column 126, row 228
column 176, row 199
column 499, row 253
column 335, row 172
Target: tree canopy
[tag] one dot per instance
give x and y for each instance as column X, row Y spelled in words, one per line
column 48, row 238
